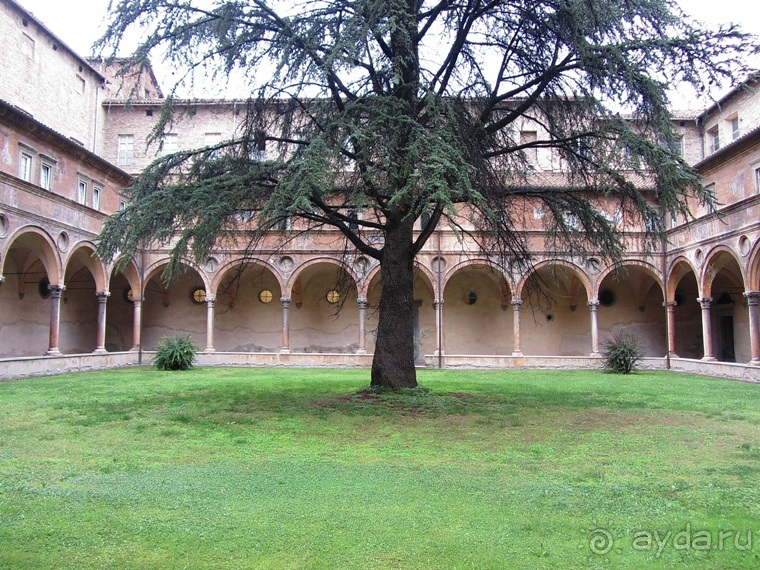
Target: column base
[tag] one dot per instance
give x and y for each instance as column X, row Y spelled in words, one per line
column 53, row 352
column 754, row 362
column 517, row 353
column 135, row 349
column 284, row 351
column 595, row 355
column 673, row 355
column 209, row 350
column 361, row 351
column 709, row 359
column 100, row 350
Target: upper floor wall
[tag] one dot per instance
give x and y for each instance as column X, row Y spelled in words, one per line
column 40, row 157
column 46, row 79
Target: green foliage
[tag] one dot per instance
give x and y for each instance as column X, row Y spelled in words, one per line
column 622, row 352
column 175, row 353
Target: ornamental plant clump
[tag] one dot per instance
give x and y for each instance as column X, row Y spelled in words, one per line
column 175, row 353
column 623, row 351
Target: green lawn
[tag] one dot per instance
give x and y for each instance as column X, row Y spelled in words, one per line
column 273, row 468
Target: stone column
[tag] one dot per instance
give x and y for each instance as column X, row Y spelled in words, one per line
column 137, row 323
column 670, row 327
column 753, row 297
column 210, row 324
column 438, row 306
column 102, row 301
column 704, row 302
column 362, row 301
column 55, row 318
column 593, row 307
column 516, row 346
column 285, row 325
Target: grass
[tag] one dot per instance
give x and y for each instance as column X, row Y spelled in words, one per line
column 273, row 468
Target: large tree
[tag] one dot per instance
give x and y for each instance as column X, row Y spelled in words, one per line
column 385, row 111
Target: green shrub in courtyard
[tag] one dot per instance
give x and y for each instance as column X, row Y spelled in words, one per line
column 175, row 353
column 623, row 352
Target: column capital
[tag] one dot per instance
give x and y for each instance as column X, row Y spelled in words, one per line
column 285, row 302
column 137, row 300
column 362, row 302
column 437, row 303
column 210, row 300
column 752, row 297
column 670, row 305
column 593, row 304
column 103, row 295
column 517, row 303
column 2, row 279
column 56, row 290
column 704, row 302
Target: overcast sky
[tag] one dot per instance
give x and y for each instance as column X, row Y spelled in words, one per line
column 80, row 22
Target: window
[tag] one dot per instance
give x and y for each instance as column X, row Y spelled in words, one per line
column 713, row 139
column 213, row 139
column 332, row 296
column 265, row 296
column 757, row 180
column 82, row 192
column 198, row 295
column 122, row 205
column 735, row 129
column 46, row 176
column 96, row 197
column 531, row 153
column 170, row 144
column 674, row 145
column 27, row 46
column 25, row 166
column 126, row 150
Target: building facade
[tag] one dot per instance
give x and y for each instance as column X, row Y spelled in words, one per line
column 72, row 135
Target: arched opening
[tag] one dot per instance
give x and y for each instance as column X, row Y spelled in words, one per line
column 29, row 266
column 175, row 307
column 248, row 311
column 555, row 313
column 79, row 304
column 687, row 317
column 124, row 287
column 729, row 319
column 631, row 300
column 478, row 316
column 324, row 312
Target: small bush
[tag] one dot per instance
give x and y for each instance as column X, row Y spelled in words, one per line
column 175, row 353
column 623, row 352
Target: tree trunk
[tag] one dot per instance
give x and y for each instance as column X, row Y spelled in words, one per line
column 393, row 363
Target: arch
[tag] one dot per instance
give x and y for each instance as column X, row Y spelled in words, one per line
column 753, row 277
column 43, row 246
column 584, row 279
column 475, row 263
column 223, row 270
column 716, row 261
column 650, row 269
column 129, row 271
column 287, row 290
column 154, row 267
column 679, row 267
column 96, row 267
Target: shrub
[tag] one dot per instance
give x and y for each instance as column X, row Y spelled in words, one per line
column 623, row 351
column 175, row 353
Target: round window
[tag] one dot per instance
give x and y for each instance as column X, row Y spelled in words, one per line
column 471, row 298
column 266, row 296
column 607, row 297
column 332, row 296
column 198, row 295
column 129, row 296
